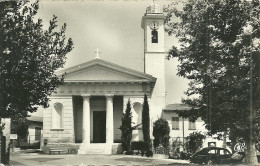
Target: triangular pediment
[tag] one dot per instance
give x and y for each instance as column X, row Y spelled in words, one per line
column 102, row 71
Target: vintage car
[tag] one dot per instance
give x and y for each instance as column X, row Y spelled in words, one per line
column 211, row 155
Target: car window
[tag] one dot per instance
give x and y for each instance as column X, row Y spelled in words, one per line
column 223, row 152
column 213, row 151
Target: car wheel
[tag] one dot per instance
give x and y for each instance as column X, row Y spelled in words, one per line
column 210, row 161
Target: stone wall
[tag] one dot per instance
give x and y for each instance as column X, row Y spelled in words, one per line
column 117, row 115
column 64, row 134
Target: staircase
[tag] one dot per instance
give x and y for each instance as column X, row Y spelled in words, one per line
column 70, row 148
column 95, row 148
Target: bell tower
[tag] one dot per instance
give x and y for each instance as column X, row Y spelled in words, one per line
column 154, row 55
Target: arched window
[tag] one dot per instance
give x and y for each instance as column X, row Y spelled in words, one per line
column 154, row 36
column 138, row 107
column 57, row 116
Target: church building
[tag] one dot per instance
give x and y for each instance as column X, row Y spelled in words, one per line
column 87, row 109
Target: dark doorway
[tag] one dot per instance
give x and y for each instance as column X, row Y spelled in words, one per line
column 99, row 126
column 37, row 133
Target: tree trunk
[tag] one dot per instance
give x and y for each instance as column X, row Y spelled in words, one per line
column 251, row 153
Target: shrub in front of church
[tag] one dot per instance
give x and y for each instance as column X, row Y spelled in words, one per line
column 140, row 147
column 161, row 132
column 149, row 153
column 129, row 152
column 126, row 128
column 146, row 121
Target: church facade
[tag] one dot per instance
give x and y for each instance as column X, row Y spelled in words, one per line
column 87, row 109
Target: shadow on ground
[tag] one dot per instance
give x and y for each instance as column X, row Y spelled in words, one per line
column 28, row 151
column 14, row 163
column 145, row 160
column 180, row 164
column 42, row 160
column 149, row 160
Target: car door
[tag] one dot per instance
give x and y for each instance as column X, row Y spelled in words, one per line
column 223, row 154
column 200, row 156
column 212, row 154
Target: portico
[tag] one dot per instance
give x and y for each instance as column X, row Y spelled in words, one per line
column 93, row 99
column 97, row 122
column 87, row 119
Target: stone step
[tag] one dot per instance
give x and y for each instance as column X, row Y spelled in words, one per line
column 95, row 149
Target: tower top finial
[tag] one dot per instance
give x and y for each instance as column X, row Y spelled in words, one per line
column 153, row 8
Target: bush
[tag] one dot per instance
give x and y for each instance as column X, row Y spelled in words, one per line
column 149, row 153
column 165, row 141
column 142, row 153
column 194, row 142
column 139, row 145
column 129, row 152
column 161, row 132
column 184, row 155
column 35, row 145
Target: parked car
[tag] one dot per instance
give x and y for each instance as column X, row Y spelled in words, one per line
column 235, row 158
column 211, row 155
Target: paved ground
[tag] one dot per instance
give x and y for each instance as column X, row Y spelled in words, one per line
column 33, row 159
column 30, row 158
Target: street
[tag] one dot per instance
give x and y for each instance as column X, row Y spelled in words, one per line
column 33, row 159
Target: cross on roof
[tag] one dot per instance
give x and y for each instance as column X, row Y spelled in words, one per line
column 97, row 53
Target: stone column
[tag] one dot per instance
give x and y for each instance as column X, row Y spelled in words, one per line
column 86, row 119
column 109, row 119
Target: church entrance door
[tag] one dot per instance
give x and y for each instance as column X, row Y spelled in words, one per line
column 99, row 126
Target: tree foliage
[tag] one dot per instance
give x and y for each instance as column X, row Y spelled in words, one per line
column 126, row 128
column 29, row 56
column 161, row 132
column 146, row 121
column 220, row 55
column 19, row 126
column 194, row 142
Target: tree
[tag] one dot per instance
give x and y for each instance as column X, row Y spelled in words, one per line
column 161, row 132
column 146, row 121
column 194, row 142
column 19, row 126
column 220, row 54
column 126, row 128
column 29, row 57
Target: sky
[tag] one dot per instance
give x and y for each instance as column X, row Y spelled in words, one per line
column 115, row 28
